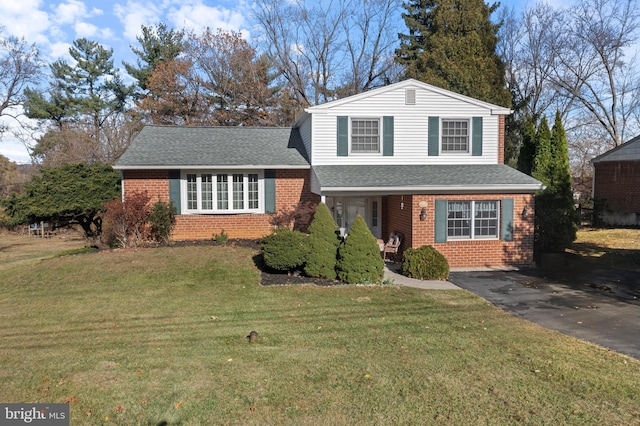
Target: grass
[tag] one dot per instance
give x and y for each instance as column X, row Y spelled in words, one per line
column 608, row 248
column 157, row 336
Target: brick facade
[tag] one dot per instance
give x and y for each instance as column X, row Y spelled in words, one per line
column 292, row 188
column 403, row 215
column 618, row 184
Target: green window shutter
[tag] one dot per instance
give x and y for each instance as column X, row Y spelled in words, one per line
column 174, row 190
column 507, row 219
column 387, row 144
column 269, row 191
column 343, row 136
column 441, row 221
column 434, row 136
column 476, row 138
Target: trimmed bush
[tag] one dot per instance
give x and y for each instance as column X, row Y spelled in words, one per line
column 162, row 220
column 359, row 259
column 284, row 249
column 425, row 263
column 323, row 245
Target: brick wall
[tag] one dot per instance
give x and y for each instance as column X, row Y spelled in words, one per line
column 464, row 253
column 618, row 182
column 292, row 188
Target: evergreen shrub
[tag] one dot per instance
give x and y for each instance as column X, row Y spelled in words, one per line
column 323, row 245
column 359, row 259
column 425, row 263
column 284, row 249
column 162, row 220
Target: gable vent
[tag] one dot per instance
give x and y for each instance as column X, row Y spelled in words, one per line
column 410, row 96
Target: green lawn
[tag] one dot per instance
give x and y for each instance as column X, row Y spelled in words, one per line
column 157, row 336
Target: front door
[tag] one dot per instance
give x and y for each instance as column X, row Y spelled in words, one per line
column 346, row 209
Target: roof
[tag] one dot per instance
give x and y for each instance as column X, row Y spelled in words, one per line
column 628, row 151
column 495, row 109
column 424, row 178
column 180, row 147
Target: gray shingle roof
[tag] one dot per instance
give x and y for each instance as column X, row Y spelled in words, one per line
column 428, row 178
column 180, row 147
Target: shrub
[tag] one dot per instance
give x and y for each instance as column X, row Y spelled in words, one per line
column 359, row 259
column 323, row 245
column 284, row 249
column 162, row 220
column 425, row 263
column 222, row 237
column 126, row 221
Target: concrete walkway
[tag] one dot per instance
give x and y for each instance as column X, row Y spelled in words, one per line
column 391, row 271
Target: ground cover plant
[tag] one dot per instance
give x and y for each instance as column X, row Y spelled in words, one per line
column 158, row 336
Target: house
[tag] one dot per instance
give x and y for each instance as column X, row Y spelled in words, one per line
column 616, row 184
column 408, row 157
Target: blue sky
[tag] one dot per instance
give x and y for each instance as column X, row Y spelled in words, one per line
column 53, row 25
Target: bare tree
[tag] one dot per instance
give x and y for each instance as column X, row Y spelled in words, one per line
column 528, row 45
column 590, row 66
column 20, row 65
column 329, row 48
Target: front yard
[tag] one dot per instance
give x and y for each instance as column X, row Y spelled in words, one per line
column 158, row 336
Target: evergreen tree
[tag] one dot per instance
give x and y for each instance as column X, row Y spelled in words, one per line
column 323, row 244
column 556, row 223
column 157, row 44
column 452, row 44
column 527, row 153
column 359, row 259
column 542, row 162
column 73, row 194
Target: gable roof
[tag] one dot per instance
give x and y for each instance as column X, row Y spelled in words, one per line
column 185, row 147
column 628, row 151
column 495, row 109
column 389, row 179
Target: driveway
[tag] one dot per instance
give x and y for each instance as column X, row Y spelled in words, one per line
column 601, row 306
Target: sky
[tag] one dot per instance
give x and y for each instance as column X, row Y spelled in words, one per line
column 53, row 25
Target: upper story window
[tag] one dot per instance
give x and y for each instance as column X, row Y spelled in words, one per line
column 365, row 135
column 224, row 192
column 472, row 219
column 455, row 136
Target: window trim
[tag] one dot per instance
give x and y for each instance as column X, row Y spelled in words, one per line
column 249, row 188
column 380, row 135
column 472, row 220
column 469, row 135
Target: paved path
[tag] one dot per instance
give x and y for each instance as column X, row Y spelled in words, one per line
column 602, row 307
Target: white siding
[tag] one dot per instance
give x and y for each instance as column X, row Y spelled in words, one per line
column 410, row 128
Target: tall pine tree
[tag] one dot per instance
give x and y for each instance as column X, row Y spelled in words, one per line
column 452, row 44
column 543, row 162
column 556, row 223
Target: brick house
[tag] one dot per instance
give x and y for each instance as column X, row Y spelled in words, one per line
column 408, row 157
column 616, row 184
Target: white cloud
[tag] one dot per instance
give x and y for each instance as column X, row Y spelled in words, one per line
column 60, row 51
column 73, row 10
column 23, row 18
column 85, row 30
column 197, row 16
column 133, row 15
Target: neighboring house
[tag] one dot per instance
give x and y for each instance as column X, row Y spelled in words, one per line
column 616, row 184
column 408, row 157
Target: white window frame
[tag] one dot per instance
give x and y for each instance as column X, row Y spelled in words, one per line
column 248, row 187
column 352, row 135
column 443, row 136
column 473, row 225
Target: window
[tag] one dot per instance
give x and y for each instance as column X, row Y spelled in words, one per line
column 224, row 192
column 461, row 224
column 455, row 135
column 365, row 135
